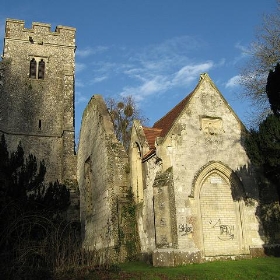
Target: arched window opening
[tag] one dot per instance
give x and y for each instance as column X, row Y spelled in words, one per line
column 139, row 149
column 136, row 168
column 41, row 69
column 33, row 69
column 37, row 68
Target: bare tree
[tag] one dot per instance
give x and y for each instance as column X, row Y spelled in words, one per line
column 264, row 55
column 122, row 113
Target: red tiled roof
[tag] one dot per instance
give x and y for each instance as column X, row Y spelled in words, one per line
column 166, row 122
column 151, row 135
column 162, row 126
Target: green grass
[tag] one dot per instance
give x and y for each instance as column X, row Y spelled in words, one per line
column 258, row 268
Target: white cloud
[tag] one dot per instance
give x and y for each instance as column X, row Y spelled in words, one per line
column 99, row 79
column 163, row 57
column 244, row 52
column 233, row 82
column 133, row 72
column 177, row 46
column 160, row 83
column 153, row 69
column 161, row 67
column 157, row 84
column 79, row 98
column 84, row 53
column 222, row 62
column 105, row 67
column 243, row 49
column 79, row 67
column 79, row 83
column 91, row 51
column 189, row 73
column 147, row 88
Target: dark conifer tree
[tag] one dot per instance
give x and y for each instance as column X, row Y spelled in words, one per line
column 263, row 145
column 273, row 90
column 30, row 212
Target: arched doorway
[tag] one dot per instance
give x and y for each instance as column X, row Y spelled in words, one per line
column 220, row 211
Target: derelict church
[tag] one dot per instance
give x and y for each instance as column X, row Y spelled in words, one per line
column 193, row 187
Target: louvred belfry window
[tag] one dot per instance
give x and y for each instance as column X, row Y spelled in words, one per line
column 33, row 69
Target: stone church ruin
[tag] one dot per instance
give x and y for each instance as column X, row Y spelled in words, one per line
column 184, row 193
column 192, row 182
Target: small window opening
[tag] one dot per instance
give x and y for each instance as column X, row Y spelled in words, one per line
column 41, row 69
column 33, row 69
column 37, row 72
column 40, row 124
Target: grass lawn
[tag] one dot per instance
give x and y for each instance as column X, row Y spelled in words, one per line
column 258, row 268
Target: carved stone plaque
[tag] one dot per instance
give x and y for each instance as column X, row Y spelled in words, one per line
column 211, row 126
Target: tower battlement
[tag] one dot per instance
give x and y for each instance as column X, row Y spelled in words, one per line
column 40, row 33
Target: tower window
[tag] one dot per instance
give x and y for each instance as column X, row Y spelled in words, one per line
column 33, row 69
column 37, row 72
column 41, row 69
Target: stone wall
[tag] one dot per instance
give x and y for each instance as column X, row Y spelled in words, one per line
column 102, row 178
column 143, row 175
column 199, row 184
column 209, row 131
column 39, row 113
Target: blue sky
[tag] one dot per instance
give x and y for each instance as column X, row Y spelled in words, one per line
column 154, row 50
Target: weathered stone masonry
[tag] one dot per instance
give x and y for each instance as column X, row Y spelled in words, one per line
column 102, row 178
column 37, row 95
column 196, row 180
column 194, row 190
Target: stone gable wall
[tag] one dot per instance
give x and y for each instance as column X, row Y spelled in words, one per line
column 102, row 179
column 212, row 180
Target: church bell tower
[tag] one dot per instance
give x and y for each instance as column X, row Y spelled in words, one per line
column 37, row 95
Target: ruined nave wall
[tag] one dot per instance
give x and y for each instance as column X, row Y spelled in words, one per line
column 101, row 172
